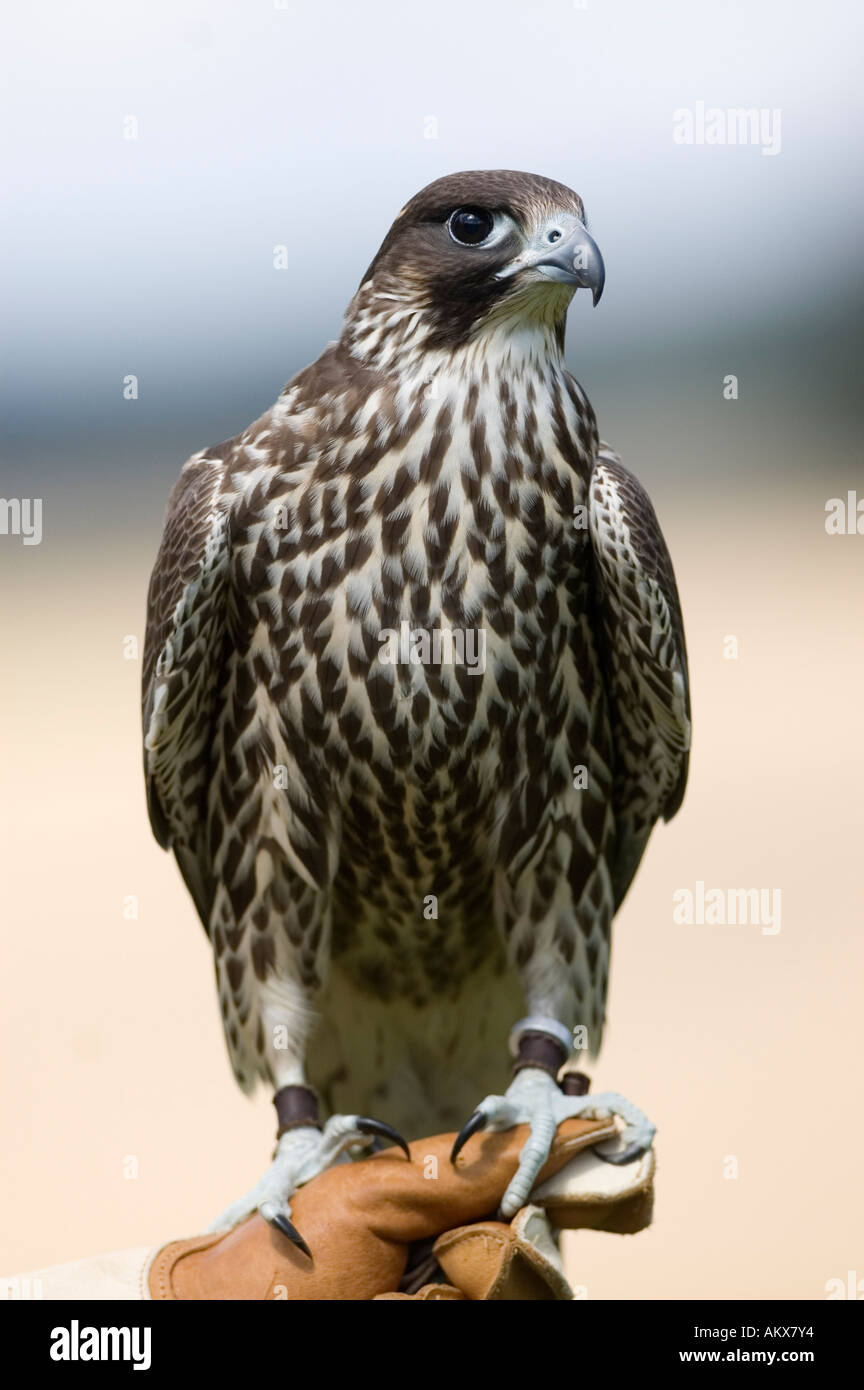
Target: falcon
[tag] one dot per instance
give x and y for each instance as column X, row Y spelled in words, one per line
column 407, row 854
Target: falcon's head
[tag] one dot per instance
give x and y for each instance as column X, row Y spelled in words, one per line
column 474, row 252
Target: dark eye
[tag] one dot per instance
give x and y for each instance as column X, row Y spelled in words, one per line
column 470, row 226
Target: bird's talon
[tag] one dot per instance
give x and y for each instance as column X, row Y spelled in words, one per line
column 383, row 1131
column 288, row 1229
column 476, row 1122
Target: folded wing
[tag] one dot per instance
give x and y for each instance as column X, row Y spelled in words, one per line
column 641, row 639
column 183, row 656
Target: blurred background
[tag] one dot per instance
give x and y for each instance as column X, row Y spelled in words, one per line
column 160, row 161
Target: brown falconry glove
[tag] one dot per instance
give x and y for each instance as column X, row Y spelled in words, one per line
column 363, row 1221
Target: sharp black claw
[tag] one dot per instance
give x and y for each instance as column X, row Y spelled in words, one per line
column 476, row 1122
column 290, row 1230
column 628, row 1155
column 367, row 1126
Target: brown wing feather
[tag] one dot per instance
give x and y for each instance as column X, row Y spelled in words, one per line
column 183, row 649
column 644, row 658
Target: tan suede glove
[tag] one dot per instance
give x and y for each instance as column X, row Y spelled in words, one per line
column 362, row 1220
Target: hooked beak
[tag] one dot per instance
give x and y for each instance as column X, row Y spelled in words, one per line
column 574, row 260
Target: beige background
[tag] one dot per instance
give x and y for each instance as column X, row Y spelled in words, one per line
column 737, row 1043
